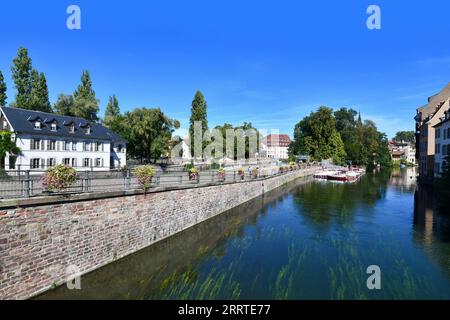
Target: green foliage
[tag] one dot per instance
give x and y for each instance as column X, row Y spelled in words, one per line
column 86, row 104
column 21, row 74
column 7, row 145
column 405, row 136
column 65, row 105
column 243, row 131
column 198, row 113
column 39, row 100
column 188, row 166
column 3, row 95
column 31, row 86
column 144, row 175
column 316, row 135
column 214, row 166
column 148, row 132
column 59, row 178
column 112, row 110
column 340, row 136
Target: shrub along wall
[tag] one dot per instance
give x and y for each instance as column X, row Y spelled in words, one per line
column 46, row 239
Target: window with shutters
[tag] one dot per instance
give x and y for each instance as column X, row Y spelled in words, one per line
column 51, row 145
column 35, row 163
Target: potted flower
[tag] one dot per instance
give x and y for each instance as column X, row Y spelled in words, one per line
column 255, row 173
column 144, row 175
column 221, row 174
column 58, row 178
column 193, row 174
column 241, row 173
column 293, row 166
column 281, row 170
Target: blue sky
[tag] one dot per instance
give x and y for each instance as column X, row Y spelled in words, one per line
column 267, row 62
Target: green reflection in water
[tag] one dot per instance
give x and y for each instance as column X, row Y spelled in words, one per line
column 306, row 240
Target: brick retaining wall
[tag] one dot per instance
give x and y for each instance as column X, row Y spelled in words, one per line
column 43, row 237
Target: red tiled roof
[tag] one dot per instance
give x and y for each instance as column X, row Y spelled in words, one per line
column 277, row 140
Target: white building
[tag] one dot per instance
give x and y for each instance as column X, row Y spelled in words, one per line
column 46, row 140
column 276, row 146
column 403, row 151
column 442, row 144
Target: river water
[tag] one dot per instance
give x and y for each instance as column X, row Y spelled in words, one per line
column 306, row 240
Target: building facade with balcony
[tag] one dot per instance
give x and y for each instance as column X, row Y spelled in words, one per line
column 442, row 147
column 46, row 140
column 426, row 118
column 403, row 151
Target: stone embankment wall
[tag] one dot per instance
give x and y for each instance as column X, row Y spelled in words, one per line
column 44, row 240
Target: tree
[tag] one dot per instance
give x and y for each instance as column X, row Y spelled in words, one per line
column 148, row 132
column 316, row 136
column 3, row 95
column 7, row 145
column 39, row 100
column 349, row 128
column 113, row 118
column 65, row 105
column 21, row 74
column 112, row 109
column 198, row 113
column 86, row 104
column 243, row 132
column 405, row 136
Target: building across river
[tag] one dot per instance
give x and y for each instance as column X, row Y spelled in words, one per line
column 47, row 139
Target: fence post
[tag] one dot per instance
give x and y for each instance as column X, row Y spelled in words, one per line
column 26, row 184
column 180, row 179
column 86, row 181
column 158, row 178
column 234, row 176
column 128, row 180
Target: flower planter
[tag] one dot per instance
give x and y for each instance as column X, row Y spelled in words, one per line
column 193, row 177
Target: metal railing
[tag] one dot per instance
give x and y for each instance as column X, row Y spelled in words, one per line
column 27, row 183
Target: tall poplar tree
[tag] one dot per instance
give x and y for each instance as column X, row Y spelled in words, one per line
column 39, row 100
column 3, row 95
column 112, row 109
column 198, row 113
column 65, row 105
column 86, row 104
column 21, row 74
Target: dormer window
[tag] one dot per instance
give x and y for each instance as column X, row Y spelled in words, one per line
column 37, row 125
column 72, row 128
column 87, row 130
column 53, row 126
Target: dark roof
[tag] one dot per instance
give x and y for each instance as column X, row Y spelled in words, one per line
column 22, row 121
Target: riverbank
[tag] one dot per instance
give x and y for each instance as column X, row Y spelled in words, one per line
column 43, row 243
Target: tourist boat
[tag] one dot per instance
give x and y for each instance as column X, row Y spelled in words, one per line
column 346, row 175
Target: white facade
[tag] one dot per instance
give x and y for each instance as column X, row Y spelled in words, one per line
column 275, row 152
column 442, row 145
column 42, row 150
column 410, row 154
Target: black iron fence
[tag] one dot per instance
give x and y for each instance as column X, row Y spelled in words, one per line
column 28, row 183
